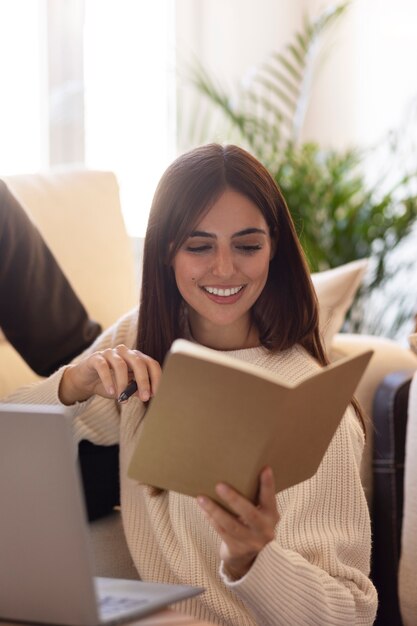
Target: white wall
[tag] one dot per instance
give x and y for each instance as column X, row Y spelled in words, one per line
column 370, row 76
column 367, row 76
column 387, row 67
column 228, row 37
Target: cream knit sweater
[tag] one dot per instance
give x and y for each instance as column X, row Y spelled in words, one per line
column 316, row 569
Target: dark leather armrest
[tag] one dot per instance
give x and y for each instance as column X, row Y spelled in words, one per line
column 390, row 426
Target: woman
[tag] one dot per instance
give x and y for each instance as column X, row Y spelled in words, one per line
column 223, row 267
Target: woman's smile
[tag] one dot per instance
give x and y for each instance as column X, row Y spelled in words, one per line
column 221, row 270
column 224, row 295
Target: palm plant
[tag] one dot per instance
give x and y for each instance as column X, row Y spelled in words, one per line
column 339, row 215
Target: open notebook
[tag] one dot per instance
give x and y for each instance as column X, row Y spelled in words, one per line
column 45, row 562
column 215, row 418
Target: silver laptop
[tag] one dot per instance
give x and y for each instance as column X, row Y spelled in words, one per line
column 45, row 558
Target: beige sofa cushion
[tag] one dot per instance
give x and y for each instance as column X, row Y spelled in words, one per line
column 78, row 213
column 336, row 289
column 388, row 356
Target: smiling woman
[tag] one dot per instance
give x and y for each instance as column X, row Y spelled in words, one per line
column 224, row 268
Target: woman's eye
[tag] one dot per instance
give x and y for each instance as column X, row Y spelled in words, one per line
column 198, row 249
column 206, row 247
column 249, row 249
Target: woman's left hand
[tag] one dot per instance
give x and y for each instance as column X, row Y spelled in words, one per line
column 243, row 536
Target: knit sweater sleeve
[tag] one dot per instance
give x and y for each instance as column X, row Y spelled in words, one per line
column 97, row 419
column 322, row 577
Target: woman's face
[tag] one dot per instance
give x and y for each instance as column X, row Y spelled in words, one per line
column 221, row 270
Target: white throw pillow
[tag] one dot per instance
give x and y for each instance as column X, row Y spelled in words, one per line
column 336, row 289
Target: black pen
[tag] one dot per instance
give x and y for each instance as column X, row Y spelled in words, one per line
column 129, row 391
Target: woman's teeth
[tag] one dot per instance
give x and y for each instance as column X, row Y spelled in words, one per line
column 223, row 292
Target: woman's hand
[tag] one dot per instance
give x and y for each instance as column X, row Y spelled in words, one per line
column 244, row 536
column 107, row 373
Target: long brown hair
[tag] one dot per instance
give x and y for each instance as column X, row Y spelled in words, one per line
column 286, row 313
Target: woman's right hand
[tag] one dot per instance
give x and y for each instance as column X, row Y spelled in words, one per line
column 107, row 373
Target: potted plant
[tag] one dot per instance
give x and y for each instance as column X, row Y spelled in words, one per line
column 340, row 215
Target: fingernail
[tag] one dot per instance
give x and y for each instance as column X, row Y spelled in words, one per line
column 111, row 391
column 202, row 501
column 222, row 489
column 145, row 396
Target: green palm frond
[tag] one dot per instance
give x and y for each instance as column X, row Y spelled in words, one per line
column 271, row 105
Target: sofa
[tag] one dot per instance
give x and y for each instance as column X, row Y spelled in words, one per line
column 78, row 212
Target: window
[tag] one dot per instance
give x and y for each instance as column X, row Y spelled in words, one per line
column 129, row 66
column 90, row 82
column 22, row 105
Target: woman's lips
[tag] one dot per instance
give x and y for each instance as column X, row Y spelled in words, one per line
column 224, row 295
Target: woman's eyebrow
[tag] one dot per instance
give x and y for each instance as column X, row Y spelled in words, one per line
column 202, row 233
column 240, row 233
column 250, row 231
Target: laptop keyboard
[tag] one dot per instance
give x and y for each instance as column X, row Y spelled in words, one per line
column 112, row 605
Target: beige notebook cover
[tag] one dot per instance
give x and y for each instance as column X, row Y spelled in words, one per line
column 216, row 418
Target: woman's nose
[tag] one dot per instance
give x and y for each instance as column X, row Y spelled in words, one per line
column 223, row 265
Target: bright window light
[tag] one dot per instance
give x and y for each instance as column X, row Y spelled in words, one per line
column 130, row 97
column 21, row 107
column 387, row 46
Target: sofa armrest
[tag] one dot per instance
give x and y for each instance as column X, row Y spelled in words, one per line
column 78, row 213
column 390, row 413
column 389, row 356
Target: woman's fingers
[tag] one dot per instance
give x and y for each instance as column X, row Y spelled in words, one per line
column 155, row 372
column 252, row 526
column 109, row 372
column 130, row 365
column 101, row 366
column 146, row 372
column 246, row 510
column 267, row 501
column 115, row 366
column 225, row 523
